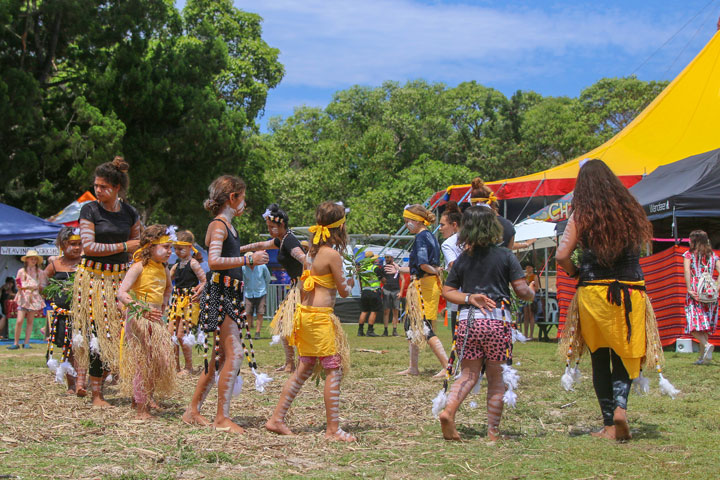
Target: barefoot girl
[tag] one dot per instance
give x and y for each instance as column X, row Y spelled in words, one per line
column 478, row 283
column 146, row 366
column 189, row 280
column 424, row 292
column 222, row 311
column 317, row 333
column 62, row 268
column 109, row 231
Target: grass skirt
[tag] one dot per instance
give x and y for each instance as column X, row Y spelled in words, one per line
column 415, row 311
column 183, row 313
column 95, row 313
column 572, row 345
column 282, row 322
column 147, row 366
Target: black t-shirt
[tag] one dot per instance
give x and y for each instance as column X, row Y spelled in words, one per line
column 391, row 281
column 285, row 258
column 508, row 230
column 185, row 277
column 486, row 270
column 110, row 227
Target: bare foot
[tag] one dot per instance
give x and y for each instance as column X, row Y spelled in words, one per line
column 493, row 434
column 278, row 427
column 80, row 392
column 622, row 429
column 447, row 423
column 70, row 391
column 606, row 432
column 185, row 371
column 409, row 371
column 227, row 425
column 340, row 436
column 143, row 412
column 440, row 374
column 100, row 402
column 153, row 404
column 287, row 368
column 194, row 418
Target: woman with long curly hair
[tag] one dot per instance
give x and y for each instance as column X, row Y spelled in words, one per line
column 701, row 315
column 610, row 227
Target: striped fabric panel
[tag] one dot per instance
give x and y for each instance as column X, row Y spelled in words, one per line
column 665, row 283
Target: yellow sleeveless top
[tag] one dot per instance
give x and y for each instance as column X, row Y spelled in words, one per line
column 309, row 281
column 150, row 285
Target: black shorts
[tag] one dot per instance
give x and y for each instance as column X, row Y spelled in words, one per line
column 370, row 300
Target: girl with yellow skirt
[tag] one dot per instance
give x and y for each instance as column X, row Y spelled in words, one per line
column 109, row 232
column 317, row 333
column 146, row 356
column 611, row 313
column 423, row 294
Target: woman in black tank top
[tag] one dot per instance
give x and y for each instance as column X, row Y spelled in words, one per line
column 222, row 312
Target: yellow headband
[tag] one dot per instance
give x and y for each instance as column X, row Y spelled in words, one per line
column 186, row 244
column 490, row 199
column 72, row 238
column 322, row 232
column 159, row 241
column 413, row 216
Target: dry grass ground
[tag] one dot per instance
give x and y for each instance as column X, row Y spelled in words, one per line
column 46, row 434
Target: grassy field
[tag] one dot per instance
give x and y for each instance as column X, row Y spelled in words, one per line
column 46, row 434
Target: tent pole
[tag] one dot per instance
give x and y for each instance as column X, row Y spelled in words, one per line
column 528, row 200
column 547, row 287
column 674, row 227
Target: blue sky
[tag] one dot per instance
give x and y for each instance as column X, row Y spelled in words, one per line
column 554, row 47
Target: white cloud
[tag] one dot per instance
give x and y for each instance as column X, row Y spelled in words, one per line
column 329, row 44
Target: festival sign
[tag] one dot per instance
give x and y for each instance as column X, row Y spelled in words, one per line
column 45, row 251
column 557, row 211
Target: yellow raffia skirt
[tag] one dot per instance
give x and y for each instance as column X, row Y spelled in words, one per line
column 147, row 359
column 423, row 297
column 95, row 312
column 183, row 312
column 592, row 322
column 283, row 320
column 317, row 332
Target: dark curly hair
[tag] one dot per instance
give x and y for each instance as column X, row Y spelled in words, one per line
column 608, row 218
column 115, row 173
column 278, row 215
column 480, row 228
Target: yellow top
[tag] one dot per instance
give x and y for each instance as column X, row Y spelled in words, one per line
column 150, row 285
column 309, row 281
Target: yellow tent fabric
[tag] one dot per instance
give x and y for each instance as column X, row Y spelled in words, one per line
column 682, row 121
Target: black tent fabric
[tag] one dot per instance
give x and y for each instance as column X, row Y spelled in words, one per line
column 689, row 187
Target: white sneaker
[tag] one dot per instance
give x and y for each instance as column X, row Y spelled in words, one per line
column 707, row 357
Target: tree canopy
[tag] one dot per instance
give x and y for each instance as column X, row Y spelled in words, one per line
column 178, row 93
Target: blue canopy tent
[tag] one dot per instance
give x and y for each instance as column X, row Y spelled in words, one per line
column 18, row 225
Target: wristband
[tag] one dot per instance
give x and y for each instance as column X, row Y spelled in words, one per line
column 467, row 299
column 124, row 246
column 250, row 258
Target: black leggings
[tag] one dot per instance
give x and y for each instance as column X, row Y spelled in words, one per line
column 96, row 365
column 612, row 388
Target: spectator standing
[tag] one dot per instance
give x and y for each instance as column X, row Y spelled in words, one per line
column 370, row 298
column 256, row 278
column 30, row 281
column 390, row 294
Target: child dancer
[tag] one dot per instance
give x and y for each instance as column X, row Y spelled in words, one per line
column 184, row 311
column 483, row 272
column 222, row 311
column 62, row 268
column 146, row 367
column 317, row 334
